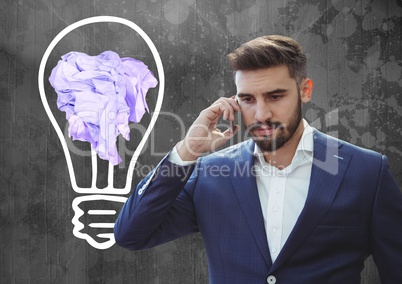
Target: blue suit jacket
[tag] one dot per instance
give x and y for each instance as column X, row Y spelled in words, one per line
column 353, row 209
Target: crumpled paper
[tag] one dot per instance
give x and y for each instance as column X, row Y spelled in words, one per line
column 100, row 95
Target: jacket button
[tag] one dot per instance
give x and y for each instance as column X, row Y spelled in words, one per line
column 271, row 279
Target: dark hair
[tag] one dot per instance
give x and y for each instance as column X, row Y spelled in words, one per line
column 270, row 51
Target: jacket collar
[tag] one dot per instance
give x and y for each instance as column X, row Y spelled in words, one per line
column 245, row 187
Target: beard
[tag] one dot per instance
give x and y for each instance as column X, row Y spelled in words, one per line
column 282, row 133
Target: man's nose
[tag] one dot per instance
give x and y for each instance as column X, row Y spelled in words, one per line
column 262, row 112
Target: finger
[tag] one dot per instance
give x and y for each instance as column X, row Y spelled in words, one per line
column 227, row 108
column 234, row 107
column 220, row 138
column 228, row 112
column 233, row 102
column 231, row 131
column 212, row 113
column 230, row 102
column 217, row 109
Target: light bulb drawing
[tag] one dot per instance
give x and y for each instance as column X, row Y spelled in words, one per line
column 92, row 193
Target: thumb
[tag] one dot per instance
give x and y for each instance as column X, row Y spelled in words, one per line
column 224, row 137
column 229, row 133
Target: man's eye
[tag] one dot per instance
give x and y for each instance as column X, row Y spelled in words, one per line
column 275, row 97
column 246, row 99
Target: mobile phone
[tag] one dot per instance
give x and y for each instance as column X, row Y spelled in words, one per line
column 237, row 117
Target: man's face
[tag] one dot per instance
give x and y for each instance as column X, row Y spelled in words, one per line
column 270, row 102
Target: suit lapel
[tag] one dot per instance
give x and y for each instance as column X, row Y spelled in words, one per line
column 245, row 187
column 328, row 169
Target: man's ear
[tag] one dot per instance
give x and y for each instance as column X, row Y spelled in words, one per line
column 306, row 90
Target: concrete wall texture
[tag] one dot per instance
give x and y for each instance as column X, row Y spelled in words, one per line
column 354, row 48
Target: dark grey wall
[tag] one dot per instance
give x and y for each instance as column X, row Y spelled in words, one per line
column 355, row 60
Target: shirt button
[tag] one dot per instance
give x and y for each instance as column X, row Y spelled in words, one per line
column 276, row 209
column 273, row 250
column 275, row 229
column 271, row 279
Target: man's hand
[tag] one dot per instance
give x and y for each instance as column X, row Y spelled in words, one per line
column 203, row 136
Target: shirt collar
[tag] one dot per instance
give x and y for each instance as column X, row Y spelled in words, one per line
column 305, row 146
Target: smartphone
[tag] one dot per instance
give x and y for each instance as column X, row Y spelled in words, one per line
column 237, row 118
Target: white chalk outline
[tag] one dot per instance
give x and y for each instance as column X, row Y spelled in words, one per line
column 98, row 193
column 109, row 188
column 101, row 212
column 78, row 226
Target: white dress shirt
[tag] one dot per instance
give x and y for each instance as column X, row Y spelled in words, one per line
column 282, row 192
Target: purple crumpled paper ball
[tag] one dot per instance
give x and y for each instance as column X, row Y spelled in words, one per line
column 100, row 95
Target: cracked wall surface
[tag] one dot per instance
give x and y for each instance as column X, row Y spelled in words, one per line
column 354, row 50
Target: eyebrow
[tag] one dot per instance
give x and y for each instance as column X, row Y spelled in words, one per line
column 270, row 93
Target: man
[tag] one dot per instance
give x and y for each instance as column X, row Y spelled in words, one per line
column 290, row 205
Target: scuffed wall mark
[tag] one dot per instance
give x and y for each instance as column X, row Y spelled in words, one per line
column 359, row 43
